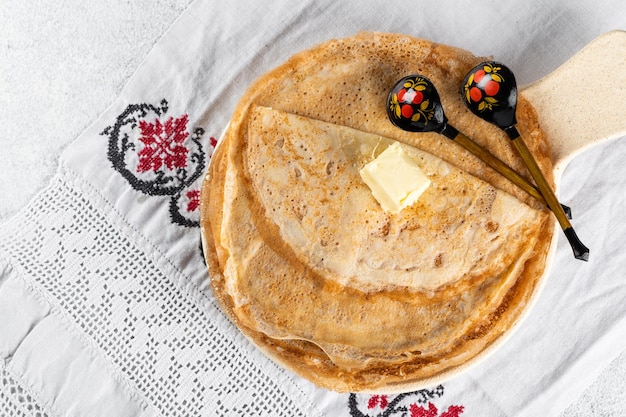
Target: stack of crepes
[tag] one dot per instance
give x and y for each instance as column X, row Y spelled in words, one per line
column 308, row 265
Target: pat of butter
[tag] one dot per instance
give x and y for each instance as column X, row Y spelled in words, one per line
column 395, row 179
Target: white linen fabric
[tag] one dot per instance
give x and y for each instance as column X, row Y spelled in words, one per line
column 104, row 301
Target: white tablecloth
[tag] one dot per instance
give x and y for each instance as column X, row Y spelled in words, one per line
column 104, row 304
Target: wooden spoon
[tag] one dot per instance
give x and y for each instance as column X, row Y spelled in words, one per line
column 490, row 91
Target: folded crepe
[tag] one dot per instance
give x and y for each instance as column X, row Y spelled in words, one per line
column 307, row 264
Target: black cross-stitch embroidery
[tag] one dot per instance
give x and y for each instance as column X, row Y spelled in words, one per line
column 396, row 406
column 166, row 176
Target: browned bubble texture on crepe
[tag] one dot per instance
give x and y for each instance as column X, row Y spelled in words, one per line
column 306, row 263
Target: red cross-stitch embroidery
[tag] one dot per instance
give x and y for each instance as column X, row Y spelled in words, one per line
column 453, row 411
column 420, row 411
column 194, row 200
column 163, row 144
column 378, row 400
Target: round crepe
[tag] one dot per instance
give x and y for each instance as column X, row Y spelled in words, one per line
column 308, row 265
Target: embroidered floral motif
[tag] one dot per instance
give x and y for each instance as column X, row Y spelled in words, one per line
column 420, row 411
column 194, row 200
column 453, row 411
column 431, row 411
column 420, row 403
column 163, row 144
column 159, row 155
column 378, row 401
